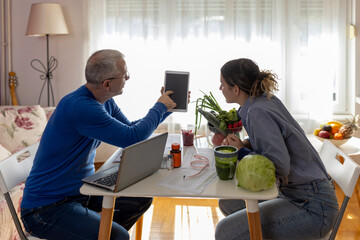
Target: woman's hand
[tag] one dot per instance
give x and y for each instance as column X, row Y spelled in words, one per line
column 233, row 140
column 247, row 144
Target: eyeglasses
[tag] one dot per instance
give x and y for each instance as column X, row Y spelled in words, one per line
column 126, row 77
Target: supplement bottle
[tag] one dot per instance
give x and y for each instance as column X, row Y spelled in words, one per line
column 176, row 152
column 170, row 162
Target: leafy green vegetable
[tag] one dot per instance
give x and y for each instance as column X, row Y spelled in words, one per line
column 212, row 120
column 224, row 118
column 255, row 173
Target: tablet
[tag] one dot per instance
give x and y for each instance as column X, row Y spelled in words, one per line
column 178, row 82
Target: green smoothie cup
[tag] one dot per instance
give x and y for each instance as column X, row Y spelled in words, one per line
column 225, row 161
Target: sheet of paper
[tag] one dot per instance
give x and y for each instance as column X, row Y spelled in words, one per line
column 194, row 185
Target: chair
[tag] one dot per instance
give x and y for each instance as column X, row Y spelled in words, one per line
column 345, row 172
column 13, row 171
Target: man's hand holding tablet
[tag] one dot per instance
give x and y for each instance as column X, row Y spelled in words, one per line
column 178, row 82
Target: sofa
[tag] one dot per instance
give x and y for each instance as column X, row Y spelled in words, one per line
column 20, row 126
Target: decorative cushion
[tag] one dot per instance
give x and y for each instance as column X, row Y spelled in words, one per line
column 21, row 126
column 4, row 153
column 49, row 111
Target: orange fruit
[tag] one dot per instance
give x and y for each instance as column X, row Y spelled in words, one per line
column 338, row 136
column 334, row 128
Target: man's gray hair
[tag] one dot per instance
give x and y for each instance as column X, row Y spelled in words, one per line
column 102, row 65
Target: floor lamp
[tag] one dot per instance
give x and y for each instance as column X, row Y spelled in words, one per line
column 46, row 19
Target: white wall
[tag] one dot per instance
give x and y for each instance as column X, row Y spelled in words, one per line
column 68, row 49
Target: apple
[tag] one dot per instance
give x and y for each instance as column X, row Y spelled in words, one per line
column 324, row 134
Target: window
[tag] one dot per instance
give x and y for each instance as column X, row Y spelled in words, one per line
column 303, row 41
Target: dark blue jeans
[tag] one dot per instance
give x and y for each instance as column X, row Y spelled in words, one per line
column 78, row 217
column 301, row 212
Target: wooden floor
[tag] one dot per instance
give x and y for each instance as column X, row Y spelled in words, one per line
column 193, row 219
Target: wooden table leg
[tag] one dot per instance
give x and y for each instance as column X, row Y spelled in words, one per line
column 138, row 228
column 252, row 209
column 107, row 214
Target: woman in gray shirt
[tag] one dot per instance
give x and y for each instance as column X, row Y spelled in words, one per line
column 307, row 206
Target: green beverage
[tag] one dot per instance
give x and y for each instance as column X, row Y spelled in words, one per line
column 225, row 161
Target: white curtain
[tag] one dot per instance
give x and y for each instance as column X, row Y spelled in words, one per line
column 300, row 40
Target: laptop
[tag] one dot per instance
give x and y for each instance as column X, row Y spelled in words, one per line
column 131, row 164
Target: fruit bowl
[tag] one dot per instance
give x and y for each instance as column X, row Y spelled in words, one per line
column 337, row 143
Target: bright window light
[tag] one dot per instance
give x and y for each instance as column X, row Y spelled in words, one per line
column 303, row 42
column 199, row 219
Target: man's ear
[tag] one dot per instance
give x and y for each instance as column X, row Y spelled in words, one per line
column 106, row 85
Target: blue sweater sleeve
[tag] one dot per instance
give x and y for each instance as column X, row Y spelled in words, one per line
column 107, row 123
column 119, row 115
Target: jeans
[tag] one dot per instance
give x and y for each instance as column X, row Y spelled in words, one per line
column 300, row 212
column 78, row 218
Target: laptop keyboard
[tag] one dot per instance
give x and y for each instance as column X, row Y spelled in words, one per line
column 109, row 180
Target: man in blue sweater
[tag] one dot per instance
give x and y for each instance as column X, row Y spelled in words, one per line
column 52, row 206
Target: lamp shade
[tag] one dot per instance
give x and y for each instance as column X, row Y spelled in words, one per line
column 46, row 18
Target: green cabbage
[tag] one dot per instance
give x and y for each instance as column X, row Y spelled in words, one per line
column 255, row 173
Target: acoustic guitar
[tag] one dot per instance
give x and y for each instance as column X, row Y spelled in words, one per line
column 12, row 85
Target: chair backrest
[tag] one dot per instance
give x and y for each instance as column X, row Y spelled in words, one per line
column 13, row 171
column 344, row 174
column 344, row 171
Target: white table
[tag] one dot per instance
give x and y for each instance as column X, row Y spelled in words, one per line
column 351, row 148
column 148, row 188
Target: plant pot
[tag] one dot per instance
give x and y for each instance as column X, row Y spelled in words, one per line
column 215, row 138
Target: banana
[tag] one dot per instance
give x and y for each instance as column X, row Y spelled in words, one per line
column 334, row 122
column 339, row 124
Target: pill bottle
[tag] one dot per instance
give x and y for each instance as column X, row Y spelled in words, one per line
column 170, row 162
column 176, row 152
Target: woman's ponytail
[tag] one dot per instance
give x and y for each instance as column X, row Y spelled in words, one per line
column 266, row 82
